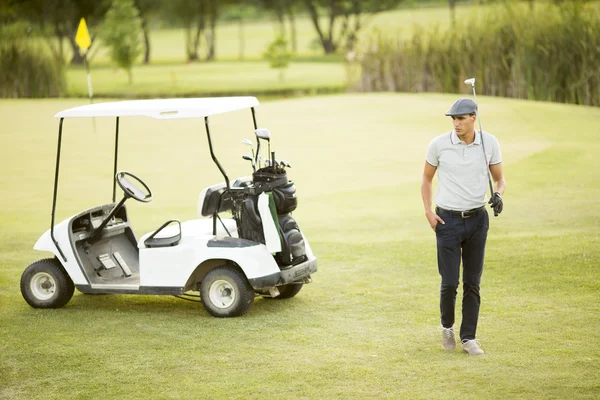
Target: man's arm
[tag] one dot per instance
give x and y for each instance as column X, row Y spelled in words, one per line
column 427, row 194
column 498, row 177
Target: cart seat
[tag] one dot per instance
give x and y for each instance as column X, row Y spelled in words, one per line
column 210, row 197
column 172, row 239
column 209, row 201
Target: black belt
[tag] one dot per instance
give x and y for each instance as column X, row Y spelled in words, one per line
column 462, row 214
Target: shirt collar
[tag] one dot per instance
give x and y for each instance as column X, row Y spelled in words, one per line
column 455, row 140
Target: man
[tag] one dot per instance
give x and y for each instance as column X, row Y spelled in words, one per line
column 460, row 220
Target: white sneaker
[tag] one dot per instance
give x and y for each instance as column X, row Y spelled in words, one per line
column 472, row 347
column 448, row 339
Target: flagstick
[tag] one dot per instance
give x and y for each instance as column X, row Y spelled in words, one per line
column 89, row 84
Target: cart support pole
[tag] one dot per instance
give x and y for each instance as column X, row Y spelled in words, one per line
column 257, row 139
column 254, row 118
column 60, row 126
column 114, row 177
column 212, row 153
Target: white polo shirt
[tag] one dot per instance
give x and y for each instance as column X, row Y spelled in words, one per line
column 462, row 170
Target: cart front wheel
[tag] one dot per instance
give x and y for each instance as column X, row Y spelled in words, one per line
column 225, row 292
column 45, row 284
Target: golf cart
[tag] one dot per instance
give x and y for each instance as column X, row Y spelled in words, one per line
column 244, row 244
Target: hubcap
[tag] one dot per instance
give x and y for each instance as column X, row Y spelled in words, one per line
column 222, row 294
column 43, row 286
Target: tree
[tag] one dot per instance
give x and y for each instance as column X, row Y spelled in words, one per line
column 278, row 55
column 199, row 19
column 28, row 69
column 147, row 9
column 58, row 21
column 121, row 33
column 283, row 9
column 352, row 14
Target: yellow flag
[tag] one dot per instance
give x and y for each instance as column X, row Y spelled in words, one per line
column 83, row 36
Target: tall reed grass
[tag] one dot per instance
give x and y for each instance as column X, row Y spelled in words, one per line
column 549, row 52
column 28, row 69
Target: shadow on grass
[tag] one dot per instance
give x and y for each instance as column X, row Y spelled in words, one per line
column 172, row 305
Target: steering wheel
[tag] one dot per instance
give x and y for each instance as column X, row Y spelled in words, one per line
column 130, row 189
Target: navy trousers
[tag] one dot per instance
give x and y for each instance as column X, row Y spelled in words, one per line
column 461, row 238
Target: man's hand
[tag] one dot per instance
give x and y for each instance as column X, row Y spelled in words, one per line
column 433, row 219
column 496, row 203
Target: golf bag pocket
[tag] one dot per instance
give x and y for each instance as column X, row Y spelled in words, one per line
column 250, row 222
column 292, row 242
column 268, row 174
column 285, row 198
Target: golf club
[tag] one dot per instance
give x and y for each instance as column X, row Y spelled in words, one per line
column 247, row 157
column 264, row 134
column 471, row 81
column 249, row 143
column 284, row 163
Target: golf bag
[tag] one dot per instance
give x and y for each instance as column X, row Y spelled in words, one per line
column 283, row 193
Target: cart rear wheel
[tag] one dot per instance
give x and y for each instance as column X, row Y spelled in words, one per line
column 288, row 291
column 45, row 284
column 225, row 292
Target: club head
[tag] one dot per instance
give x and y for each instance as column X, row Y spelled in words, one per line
column 284, row 163
column 247, row 157
column 263, row 133
column 470, row 81
column 247, row 141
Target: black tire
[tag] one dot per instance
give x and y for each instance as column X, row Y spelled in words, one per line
column 288, row 291
column 46, row 284
column 225, row 292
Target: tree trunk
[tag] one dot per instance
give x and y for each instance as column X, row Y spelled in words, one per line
column 195, row 42
column 279, row 13
column 293, row 37
column 190, row 49
column 146, row 41
column 452, row 4
column 212, row 32
column 530, row 2
column 328, row 45
column 77, row 59
column 327, row 42
column 242, row 43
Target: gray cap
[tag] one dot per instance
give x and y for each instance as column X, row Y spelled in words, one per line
column 462, row 107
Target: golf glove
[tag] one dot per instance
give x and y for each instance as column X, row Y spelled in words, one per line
column 496, row 203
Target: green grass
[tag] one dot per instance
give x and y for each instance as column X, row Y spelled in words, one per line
column 193, row 80
column 367, row 326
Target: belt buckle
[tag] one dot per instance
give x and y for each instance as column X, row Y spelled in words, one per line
column 462, row 214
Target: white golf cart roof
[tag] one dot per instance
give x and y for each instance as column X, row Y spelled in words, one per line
column 163, row 108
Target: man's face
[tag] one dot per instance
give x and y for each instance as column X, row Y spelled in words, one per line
column 464, row 124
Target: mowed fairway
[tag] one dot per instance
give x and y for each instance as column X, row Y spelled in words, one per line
column 366, row 327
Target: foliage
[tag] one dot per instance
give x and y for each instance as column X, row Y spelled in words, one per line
column 199, row 19
column 28, row 70
column 352, row 15
column 121, row 33
column 59, row 19
column 550, row 52
column 278, row 55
